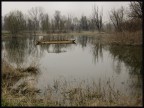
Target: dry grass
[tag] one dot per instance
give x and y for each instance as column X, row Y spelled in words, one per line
column 63, row 93
column 67, row 94
column 83, row 94
column 120, row 38
column 8, row 72
column 126, row 38
column 61, row 34
column 24, row 94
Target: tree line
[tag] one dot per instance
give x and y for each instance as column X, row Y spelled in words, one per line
column 36, row 20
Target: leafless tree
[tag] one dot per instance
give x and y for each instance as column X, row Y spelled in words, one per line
column 35, row 15
column 117, row 18
column 57, row 18
column 136, row 9
column 52, row 26
column 68, row 23
column 84, row 23
column 63, row 24
column 76, row 23
column 45, row 24
column 97, row 17
column 15, row 22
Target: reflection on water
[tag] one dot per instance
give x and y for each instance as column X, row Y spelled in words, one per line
column 131, row 56
column 55, row 48
column 15, row 50
column 87, row 59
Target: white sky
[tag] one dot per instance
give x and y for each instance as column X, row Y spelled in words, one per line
column 75, row 9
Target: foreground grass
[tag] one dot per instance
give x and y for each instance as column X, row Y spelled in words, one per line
column 61, row 93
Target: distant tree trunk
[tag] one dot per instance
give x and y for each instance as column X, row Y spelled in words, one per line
column 83, row 23
column 97, row 17
column 57, row 17
column 45, row 24
column 35, row 15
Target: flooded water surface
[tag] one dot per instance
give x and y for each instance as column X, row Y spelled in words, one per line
column 87, row 60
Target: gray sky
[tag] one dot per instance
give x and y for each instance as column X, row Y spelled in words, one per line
column 75, row 9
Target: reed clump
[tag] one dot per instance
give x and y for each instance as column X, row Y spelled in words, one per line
column 20, row 95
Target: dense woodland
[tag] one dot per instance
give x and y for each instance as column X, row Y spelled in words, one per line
column 36, row 20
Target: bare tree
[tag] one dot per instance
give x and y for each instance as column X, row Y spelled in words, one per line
column 84, row 23
column 35, row 15
column 134, row 17
column 30, row 25
column 45, row 24
column 136, row 9
column 76, row 23
column 97, row 17
column 15, row 22
column 68, row 23
column 92, row 25
column 117, row 18
column 52, row 26
column 57, row 18
column 63, row 24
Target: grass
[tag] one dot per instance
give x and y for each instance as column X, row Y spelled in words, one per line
column 126, row 38
column 61, row 92
column 80, row 94
column 89, row 33
column 119, row 38
column 8, row 72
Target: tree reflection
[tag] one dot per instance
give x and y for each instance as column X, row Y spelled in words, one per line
column 97, row 52
column 132, row 57
column 96, row 43
column 56, row 48
column 82, row 40
column 15, row 49
column 18, row 50
column 117, row 66
column 85, row 40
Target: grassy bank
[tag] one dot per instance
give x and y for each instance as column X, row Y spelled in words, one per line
column 65, row 93
column 126, row 38
column 88, row 33
column 119, row 38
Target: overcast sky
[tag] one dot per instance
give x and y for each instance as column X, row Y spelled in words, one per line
column 75, row 9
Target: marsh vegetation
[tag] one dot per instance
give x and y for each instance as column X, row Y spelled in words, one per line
column 76, row 80
column 102, row 68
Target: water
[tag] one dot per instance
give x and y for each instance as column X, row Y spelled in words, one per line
column 87, row 60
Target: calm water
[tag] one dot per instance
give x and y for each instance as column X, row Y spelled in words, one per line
column 88, row 60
